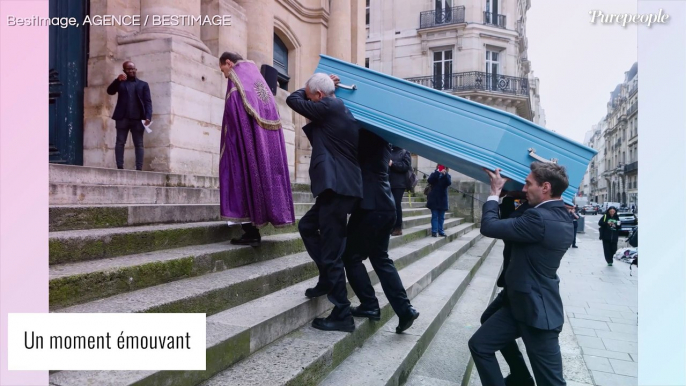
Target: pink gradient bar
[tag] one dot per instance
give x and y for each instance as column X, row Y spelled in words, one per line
column 23, row 174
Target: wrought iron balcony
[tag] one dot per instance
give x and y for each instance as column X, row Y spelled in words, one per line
column 494, row 19
column 632, row 109
column 631, row 167
column 475, row 80
column 446, row 16
column 633, row 90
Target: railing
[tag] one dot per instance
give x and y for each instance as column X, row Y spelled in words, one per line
column 632, row 109
column 446, row 16
column 474, row 80
column 631, row 167
column 494, row 19
column 633, row 90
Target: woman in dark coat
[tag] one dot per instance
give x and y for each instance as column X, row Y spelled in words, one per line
column 401, row 162
column 437, row 199
column 609, row 232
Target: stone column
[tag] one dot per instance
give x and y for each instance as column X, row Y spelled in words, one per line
column 155, row 28
column 260, row 15
column 338, row 35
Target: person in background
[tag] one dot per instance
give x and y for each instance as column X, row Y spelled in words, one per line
column 437, row 199
column 254, row 182
column 400, row 163
column 133, row 106
column 575, row 217
column 609, row 233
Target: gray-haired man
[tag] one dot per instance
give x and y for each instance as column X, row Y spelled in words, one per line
column 336, row 182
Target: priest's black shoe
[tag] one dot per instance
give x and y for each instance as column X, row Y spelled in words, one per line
column 373, row 314
column 330, row 324
column 526, row 380
column 253, row 241
column 406, row 320
column 316, row 292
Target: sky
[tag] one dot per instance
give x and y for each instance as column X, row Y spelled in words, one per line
column 578, row 63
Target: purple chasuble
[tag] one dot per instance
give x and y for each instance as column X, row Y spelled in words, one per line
column 254, row 181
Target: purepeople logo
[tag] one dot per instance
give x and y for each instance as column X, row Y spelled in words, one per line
column 625, row 18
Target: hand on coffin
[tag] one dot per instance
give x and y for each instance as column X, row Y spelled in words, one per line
column 390, row 162
column 497, row 181
column 336, row 79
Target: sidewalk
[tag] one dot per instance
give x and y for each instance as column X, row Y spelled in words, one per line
column 601, row 304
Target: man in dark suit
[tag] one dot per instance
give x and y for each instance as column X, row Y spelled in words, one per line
column 336, row 182
column 519, row 373
column 540, row 238
column 133, row 106
column 369, row 232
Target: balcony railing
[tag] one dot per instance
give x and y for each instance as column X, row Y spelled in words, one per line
column 446, row 16
column 494, row 19
column 475, row 80
column 633, row 90
column 631, row 167
column 632, row 109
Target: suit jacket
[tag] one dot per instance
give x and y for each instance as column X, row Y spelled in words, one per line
column 142, row 92
column 540, row 238
column 334, row 136
column 402, row 162
column 508, row 210
column 374, row 154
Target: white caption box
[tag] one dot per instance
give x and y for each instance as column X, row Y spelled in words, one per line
column 58, row 341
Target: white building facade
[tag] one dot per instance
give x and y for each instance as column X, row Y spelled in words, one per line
column 476, row 49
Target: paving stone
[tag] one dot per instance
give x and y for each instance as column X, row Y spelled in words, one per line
column 633, row 322
column 627, row 328
column 585, row 331
column 590, row 342
column 606, row 353
column 576, row 310
column 592, row 317
column 598, row 363
column 596, row 325
column 607, row 379
column 625, row 368
column 627, row 337
column 601, row 312
column 621, row 346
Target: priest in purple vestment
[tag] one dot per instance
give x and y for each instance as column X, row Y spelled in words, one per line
column 254, row 181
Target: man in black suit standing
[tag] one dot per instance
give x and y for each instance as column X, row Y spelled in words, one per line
column 540, row 238
column 133, row 106
column 336, row 182
column 369, row 232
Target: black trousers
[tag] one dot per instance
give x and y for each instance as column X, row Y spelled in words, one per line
column 501, row 329
column 511, row 353
column 136, row 128
column 398, row 197
column 369, row 233
column 609, row 248
column 576, row 226
column 323, row 230
column 250, row 230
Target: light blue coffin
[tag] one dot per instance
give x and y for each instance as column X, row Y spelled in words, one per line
column 453, row 131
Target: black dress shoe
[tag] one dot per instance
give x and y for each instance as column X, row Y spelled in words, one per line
column 329, row 324
column 374, row 314
column 574, row 246
column 253, row 241
column 316, row 292
column 406, row 320
column 527, row 380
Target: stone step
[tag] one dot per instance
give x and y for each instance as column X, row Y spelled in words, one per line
column 75, row 283
column 448, row 360
column 91, row 244
column 306, row 356
column 75, row 217
column 69, row 194
column 218, row 291
column 81, row 175
column 387, row 358
column 235, row 334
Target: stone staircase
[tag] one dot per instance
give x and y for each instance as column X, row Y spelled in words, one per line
column 126, row 241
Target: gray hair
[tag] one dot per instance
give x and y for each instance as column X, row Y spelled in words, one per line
column 321, row 82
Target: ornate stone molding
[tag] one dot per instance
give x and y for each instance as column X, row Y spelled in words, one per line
column 308, row 15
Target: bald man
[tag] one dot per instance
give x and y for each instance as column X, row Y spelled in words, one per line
column 133, row 106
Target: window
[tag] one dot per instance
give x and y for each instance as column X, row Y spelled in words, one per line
column 367, row 12
column 281, row 62
column 443, row 69
column 366, row 62
column 492, row 69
